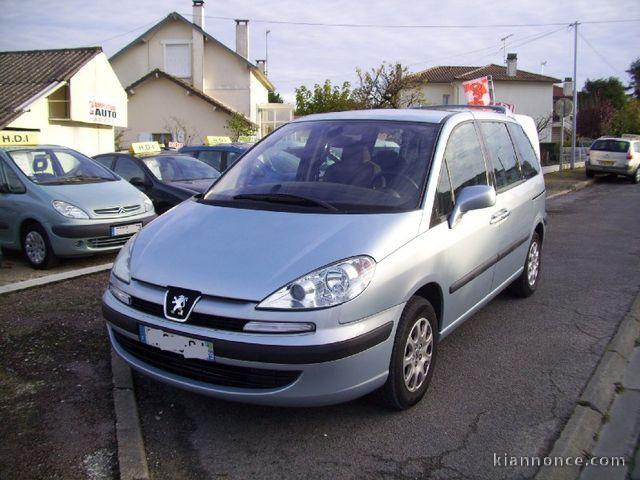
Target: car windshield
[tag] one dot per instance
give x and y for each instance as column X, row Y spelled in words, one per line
column 46, row 166
column 618, row 146
column 339, row 166
column 177, row 168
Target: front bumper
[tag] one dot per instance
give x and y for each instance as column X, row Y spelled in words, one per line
column 86, row 237
column 310, row 369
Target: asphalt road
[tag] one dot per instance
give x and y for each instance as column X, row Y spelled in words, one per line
column 505, row 383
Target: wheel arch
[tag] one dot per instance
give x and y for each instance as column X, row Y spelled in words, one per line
column 432, row 292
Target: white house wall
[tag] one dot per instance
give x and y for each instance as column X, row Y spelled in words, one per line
column 433, row 93
column 148, row 115
column 86, row 138
column 259, row 96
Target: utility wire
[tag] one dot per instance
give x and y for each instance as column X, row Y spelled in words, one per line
column 435, row 26
column 126, row 33
column 602, row 57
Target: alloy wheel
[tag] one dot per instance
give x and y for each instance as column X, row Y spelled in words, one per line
column 35, row 247
column 533, row 263
column 418, row 351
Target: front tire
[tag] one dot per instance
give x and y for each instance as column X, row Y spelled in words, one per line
column 527, row 282
column 37, row 248
column 636, row 178
column 590, row 174
column 413, row 356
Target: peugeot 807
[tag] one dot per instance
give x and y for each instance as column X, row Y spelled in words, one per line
column 333, row 257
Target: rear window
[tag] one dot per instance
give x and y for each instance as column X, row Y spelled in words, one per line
column 619, row 146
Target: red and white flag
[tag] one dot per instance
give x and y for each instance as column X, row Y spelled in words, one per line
column 477, row 91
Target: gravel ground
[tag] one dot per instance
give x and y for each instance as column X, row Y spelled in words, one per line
column 56, row 404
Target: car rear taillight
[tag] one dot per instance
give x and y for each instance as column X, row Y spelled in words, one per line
column 629, row 155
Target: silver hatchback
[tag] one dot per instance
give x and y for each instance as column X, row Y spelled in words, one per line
column 333, row 257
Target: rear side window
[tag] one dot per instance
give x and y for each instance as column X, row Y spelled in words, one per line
column 13, row 182
column 212, row 158
column 465, row 159
column 127, row 169
column 618, row 146
column 443, row 202
column 636, row 147
column 529, row 161
column 105, row 161
column 503, row 156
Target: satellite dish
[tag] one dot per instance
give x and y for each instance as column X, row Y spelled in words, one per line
column 563, row 107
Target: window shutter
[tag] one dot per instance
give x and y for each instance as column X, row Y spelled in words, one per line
column 177, row 58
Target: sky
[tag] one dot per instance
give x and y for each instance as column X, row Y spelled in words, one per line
column 303, row 54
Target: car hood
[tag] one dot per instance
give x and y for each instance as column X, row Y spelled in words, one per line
column 92, row 196
column 195, row 186
column 248, row 254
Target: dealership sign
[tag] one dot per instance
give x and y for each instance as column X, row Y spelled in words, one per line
column 101, row 112
column 478, row 91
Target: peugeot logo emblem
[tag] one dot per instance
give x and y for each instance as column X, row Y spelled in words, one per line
column 179, row 302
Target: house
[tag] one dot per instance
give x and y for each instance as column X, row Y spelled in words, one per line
column 71, row 97
column 529, row 93
column 183, row 84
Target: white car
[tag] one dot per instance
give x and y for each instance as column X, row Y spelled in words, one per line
column 619, row 156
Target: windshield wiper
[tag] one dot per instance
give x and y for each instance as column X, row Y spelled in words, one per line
column 285, row 198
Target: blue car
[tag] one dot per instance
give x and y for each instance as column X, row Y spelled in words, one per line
column 220, row 156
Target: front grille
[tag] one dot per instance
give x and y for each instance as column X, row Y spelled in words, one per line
column 196, row 318
column 204, row 371
column 107, row 242
column 126, row 210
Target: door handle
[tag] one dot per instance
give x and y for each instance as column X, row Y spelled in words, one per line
column 500, row 215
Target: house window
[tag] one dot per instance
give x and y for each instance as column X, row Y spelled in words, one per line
column 59, row 104
column 445, row 99
column 163, row 138
column 177, row 59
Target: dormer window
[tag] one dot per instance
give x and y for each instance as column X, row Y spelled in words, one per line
column 177, row 59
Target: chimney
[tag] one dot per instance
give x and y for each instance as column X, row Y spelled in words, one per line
column 262, row 66
column 242, row 38
column 197, row 46
column 198, row 13
column 512, row 64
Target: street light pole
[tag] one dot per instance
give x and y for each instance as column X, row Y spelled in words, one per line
column 575, row 95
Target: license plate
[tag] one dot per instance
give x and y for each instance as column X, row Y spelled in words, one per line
column 607, row 163
column 186, row 346
column 125, row 229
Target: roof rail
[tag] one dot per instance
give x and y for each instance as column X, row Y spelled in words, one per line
column 495, row 108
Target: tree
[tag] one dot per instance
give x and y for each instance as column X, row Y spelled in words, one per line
column 634, row 71
column 180, row 131
column 610, row 88
column 387, row 86
column 627, row 119
column 595, row 116
column 239, row 125
column 543, row 122
column 323, row 98
column 275, row 97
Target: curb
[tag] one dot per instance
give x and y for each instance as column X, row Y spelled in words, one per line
column 53, row 278
column 579, row 434
column 132, row 458
column 574, row 188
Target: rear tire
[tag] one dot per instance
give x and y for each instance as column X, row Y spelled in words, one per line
column 590, row 174
column 636, row 178
column 525, row 285
column 413, row 356
column 36, row 247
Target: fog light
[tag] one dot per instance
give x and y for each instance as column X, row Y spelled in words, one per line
column 279, row 327
column 119, row 294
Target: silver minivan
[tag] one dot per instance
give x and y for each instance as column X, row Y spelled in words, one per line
column 332, row 259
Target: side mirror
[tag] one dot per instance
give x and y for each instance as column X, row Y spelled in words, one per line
column 475, row 197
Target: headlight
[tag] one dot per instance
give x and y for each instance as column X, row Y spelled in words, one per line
column 121, row 266
column 147, row 203
column 68, row 210
column 325, row 287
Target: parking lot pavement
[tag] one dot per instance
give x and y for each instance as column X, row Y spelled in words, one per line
column 14, row 268
column 56, row 406
column 505, row 382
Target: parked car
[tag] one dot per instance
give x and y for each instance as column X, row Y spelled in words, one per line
column 220, row 156
column 167, row 178
column 619, row 156
column 56, row 202
column 322, row 287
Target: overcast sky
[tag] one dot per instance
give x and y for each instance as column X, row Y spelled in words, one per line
column 308, row 54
